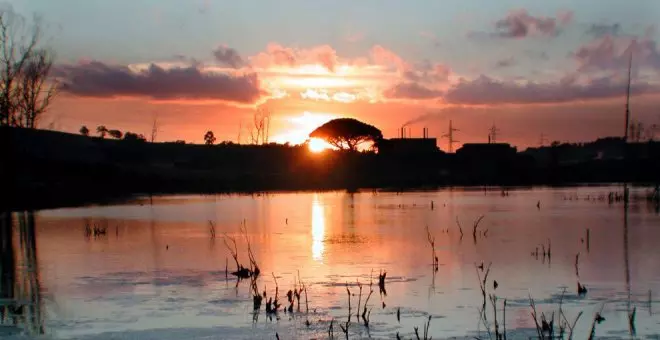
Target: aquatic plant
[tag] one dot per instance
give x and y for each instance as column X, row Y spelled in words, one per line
column 426, row 330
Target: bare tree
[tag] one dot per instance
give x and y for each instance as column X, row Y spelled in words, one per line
column 25, row 88
column 240, row 131
column 154, row 129
column 260, row 130
column 35, row 93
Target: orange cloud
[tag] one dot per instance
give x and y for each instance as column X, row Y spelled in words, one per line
column 278, row 55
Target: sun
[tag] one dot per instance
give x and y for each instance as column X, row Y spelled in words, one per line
column 317, row 145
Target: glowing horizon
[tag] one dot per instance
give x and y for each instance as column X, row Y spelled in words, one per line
column 543, row 69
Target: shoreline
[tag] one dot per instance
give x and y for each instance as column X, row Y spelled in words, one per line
column 31, row 201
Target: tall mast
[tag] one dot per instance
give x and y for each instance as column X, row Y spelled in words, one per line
column 625, row 135
column 450, row 137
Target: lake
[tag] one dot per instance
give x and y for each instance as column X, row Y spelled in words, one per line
column 158, row 272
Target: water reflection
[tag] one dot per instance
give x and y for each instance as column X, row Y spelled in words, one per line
column 158, row 268
column 318, row 229
column 20, row 290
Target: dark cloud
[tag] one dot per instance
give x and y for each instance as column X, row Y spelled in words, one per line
column 613, row 53
column 427, row 72
column 411, row 91
column 96, row 79
column 599, row 30
column 520, row 24
column 485, row 90
column 228, row 56
column 508, row 62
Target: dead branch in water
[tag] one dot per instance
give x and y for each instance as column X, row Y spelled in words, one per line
column 344, row 329
column 504, row 319
column 426, row 330
column 482, row 282
column 233, row 251
column 598, row 318
column 256, row 297
column 357, row 315
column 460, row 229
column 303, row 288
column 475, row 226
column 539, row 330
column 241, row 272
column 212, row 229
column 493, row 300
column 381, row 283
column 253, row 262
column 434, row 257
column 365, row 314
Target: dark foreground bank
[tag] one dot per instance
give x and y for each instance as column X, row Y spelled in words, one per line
column 49, row 169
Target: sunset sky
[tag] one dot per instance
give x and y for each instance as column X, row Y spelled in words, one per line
column 530, row 67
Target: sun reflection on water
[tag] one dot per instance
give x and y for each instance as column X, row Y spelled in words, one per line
column 318, row 229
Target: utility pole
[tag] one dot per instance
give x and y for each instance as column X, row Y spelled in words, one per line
column 493, row 134
column 450, row 137
column 542, row 140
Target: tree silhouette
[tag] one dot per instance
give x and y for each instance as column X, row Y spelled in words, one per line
column 26, row 90
column 84, row 130
column 209, row 138
column 347, row 133
column 115, row 134
column 101, row 130
column 134, row 137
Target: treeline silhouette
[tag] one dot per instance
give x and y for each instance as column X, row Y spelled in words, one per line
column 47, row 168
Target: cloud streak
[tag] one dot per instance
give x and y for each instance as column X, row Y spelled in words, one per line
column 519, row 24
column 488, row 91
column 611, row 53
column 411, row 91
column 97, row 79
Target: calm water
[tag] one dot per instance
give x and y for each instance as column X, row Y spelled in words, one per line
column 157, row 274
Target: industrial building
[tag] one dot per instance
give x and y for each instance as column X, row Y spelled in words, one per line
column 407, row 145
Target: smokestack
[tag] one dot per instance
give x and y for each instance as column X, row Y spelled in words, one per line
column 409, row 133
